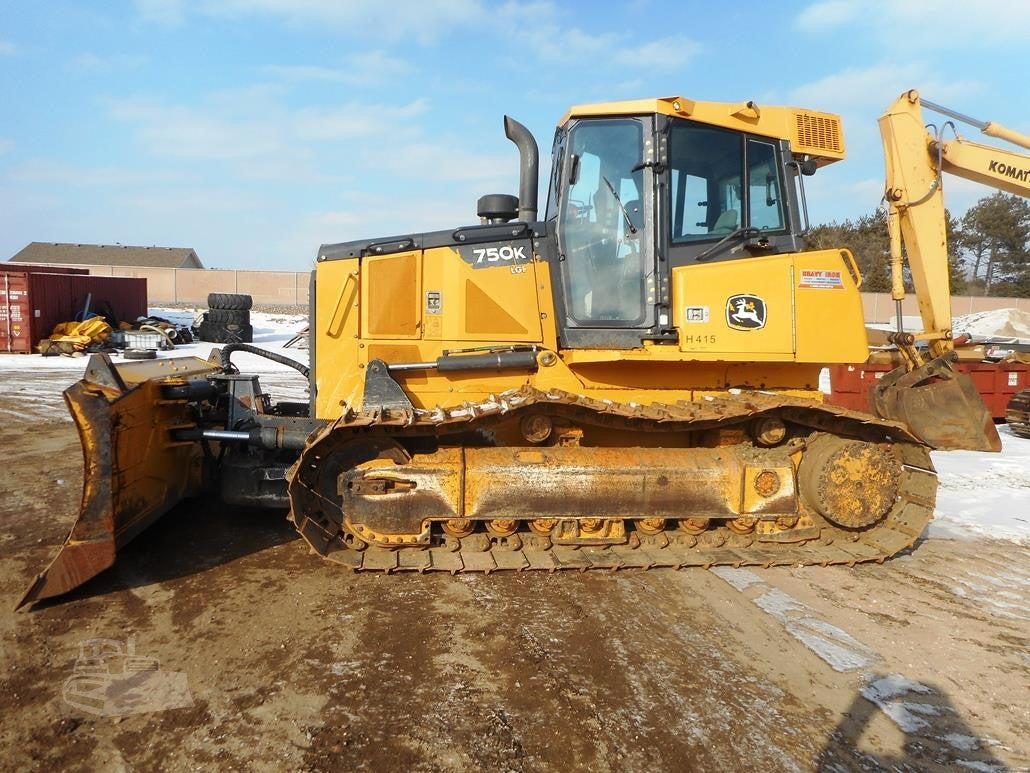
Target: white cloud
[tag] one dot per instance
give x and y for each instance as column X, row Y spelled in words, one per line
column 378, row 215
column 362, row 69
column 960, row 194
column 195, row 133
column 446, row 160
column 160, row 11
column 200, row 203
column 860, row 96
column 865, row 90
column 959, row 23
column 828, row 14
column 553, row 43
column 7, row 48
column 256, row 134
column 868, row 189
column 923, row 24
column 61, row 174
column 92, row 63
column 665, row 53
column 423, row 20
column 351, row 120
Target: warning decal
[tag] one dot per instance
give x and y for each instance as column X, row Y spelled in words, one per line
column 821, row 279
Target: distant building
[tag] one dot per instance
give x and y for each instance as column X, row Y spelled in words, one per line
column 108, row 255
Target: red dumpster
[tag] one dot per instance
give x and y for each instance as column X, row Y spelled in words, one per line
column 996, row 382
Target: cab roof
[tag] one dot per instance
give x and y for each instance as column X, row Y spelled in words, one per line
column 809, row 132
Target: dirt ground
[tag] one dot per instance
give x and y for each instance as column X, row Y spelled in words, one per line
column 285, row 662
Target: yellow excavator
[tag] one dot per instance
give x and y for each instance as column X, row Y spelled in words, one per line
column 915, row 160
column 629, row 378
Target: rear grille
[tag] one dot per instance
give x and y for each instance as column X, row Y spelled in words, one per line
column 814, row 133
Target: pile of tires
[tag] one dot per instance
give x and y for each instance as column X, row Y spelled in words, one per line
column 227, row 319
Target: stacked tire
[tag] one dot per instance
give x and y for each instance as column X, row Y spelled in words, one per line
column 227, row 319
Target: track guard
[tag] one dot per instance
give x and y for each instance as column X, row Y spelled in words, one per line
column 133, row 472
column 941, row 406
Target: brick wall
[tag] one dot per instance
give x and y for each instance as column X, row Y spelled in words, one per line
column 191, row 285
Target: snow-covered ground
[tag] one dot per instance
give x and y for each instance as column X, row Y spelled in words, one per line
column 980, row 494
column 986, row 494
column 1003, row 323
column 271, row 332
column 1009, row 325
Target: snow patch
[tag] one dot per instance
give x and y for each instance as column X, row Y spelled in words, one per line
column 886, row 689
column 964, row 743
column 738, row 578
column 824, row 381
column 840, row 650
column 983, row 767
column 999, row 323
column 984, row 494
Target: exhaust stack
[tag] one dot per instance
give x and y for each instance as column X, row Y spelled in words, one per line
column 529, row 167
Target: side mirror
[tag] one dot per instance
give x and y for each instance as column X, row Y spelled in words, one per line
column 808, row 167
column 573, row 170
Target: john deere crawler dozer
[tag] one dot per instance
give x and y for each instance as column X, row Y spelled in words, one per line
column 628, row 379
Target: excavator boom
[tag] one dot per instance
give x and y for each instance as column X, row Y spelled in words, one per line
column 915, row 160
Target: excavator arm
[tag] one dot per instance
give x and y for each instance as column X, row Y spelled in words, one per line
column 915, row 158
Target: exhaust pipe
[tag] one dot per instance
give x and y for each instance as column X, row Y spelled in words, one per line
column 529, row 167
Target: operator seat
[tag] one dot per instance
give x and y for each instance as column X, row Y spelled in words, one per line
column 726, row 222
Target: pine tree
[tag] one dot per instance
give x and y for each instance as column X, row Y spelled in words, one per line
column 867, row 239
column 994, row 237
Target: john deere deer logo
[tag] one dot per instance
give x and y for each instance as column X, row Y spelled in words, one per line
column 745, row 312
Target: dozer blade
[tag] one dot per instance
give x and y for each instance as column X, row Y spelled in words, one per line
column 133, row 471
column 941, row 406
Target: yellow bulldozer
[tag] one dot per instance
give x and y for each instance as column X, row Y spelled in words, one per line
column 629, row 378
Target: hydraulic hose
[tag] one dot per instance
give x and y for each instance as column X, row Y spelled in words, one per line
column 229, row 349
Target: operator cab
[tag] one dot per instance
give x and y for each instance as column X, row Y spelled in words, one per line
column 634, row 195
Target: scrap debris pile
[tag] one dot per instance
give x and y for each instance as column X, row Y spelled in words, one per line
column 1001, row 335
column 98, row 333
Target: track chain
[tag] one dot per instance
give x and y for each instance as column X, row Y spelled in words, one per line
column 312, row 512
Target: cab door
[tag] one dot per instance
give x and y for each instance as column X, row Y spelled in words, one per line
column 606, row 234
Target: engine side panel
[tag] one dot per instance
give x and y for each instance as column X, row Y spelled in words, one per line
column 413, row 306
column 800, row 307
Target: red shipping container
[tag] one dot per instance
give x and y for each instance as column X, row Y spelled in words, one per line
column 995, row 381
column 31, row 303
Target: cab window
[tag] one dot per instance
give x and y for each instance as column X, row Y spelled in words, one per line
column 601, row 223
column 710, row 170
column 766, row 203
column 706, row 168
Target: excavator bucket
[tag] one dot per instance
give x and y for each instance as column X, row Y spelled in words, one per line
column 134, row 471
column 941, row 406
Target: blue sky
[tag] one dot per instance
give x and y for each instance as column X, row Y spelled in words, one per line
column 255, row 130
